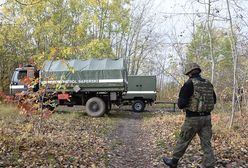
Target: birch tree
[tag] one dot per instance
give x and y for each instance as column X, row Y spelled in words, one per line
column 210, row 42
column 235, row 60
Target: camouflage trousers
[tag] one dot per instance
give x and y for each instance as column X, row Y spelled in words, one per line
column 196, row 125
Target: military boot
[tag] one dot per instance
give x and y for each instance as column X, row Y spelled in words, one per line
column 172, row 163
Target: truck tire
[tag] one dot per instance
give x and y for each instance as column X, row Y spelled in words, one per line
column 138, row 106
column 95, row 107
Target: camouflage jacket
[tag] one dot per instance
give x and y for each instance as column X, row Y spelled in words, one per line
column 187, row 91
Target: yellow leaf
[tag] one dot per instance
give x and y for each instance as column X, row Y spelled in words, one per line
column 28, row 127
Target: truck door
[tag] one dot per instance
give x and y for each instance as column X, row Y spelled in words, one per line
column 16, row 85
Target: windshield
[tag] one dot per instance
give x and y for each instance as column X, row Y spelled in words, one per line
column 19, row 75
column 22, row 74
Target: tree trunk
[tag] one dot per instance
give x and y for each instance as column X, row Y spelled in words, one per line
column 211, row 43
column 235, row 60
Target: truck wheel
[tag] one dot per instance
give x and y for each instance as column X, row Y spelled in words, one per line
column 95, row 107
column 138, row 106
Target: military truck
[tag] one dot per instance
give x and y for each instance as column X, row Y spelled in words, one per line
column 94, row 83
column 141, row 91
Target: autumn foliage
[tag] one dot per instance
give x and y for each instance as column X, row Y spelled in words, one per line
column 29, row 102
column 6, row 99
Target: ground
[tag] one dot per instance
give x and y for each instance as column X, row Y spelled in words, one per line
column 130, row 144
column 122, row 139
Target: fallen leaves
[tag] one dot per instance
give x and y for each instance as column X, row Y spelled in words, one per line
column 230, row 145
column 63, row 140
column 70, row 139
column 6, row 98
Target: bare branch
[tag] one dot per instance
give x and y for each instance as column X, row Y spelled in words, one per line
column 26, row 4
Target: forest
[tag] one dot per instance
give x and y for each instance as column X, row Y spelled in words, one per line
column 154, row 37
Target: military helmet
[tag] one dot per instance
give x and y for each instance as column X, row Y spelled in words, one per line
column 190, row 67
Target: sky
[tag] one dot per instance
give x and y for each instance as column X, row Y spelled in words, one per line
column 190, row 7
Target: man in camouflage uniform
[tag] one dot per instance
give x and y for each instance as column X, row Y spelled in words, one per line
column 197, row 99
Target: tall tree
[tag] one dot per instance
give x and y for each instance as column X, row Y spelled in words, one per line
column 235, row 61
column 211, row 42
column 199, row 51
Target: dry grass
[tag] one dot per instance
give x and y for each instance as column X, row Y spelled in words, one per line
column 230, row 145
column 8, row 111
column 74, row 139
column 65, row 139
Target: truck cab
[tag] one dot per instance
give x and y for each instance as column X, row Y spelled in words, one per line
column 16, row 84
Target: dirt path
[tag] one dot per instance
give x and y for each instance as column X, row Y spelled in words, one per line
column 130, row 145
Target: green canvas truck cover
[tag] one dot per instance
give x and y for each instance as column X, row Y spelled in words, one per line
column 88, row 75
